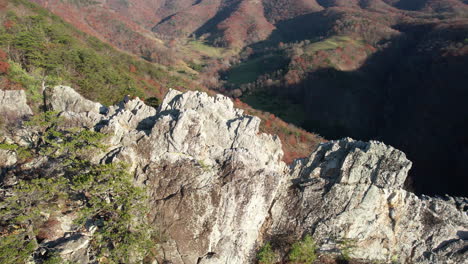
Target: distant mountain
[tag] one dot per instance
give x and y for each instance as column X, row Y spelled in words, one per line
column 39, row 49
column 386, row 69
column 127, row 24
column 372, row 70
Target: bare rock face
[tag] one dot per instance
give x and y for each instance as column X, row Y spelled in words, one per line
column 219, row 189
column 64, row 98
column 7, row 158
column 212, row 177
column 352, row 191
column 228, row 178
column 13, row 105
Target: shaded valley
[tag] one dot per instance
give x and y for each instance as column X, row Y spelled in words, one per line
column 410, row 91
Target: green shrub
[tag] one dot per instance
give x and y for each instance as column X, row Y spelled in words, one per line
column 16, row 247
column 42, row 47
column 21, row 216
column 303, row 251
column 195, row 66
column 22, row 152
column 346, row 247
column 28, row 81
column 266, row 255
column 120, row 207
column 103, row 194
column 152, row 101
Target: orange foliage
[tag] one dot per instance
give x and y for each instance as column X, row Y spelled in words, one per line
column 3, row 4
column 3, row 55
column 8, row 24
column 6, row 84
column 292, row 140
column 4, row 67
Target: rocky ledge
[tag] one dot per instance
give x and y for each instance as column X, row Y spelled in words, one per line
column 219, row 189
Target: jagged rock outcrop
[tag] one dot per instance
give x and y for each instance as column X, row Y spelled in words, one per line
column 13, row 105
column 219, row 189
column 64, row 98
column 200, row 157
column 353, row 190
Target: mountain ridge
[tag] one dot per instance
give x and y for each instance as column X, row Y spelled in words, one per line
column 40, row 49
column 223, row 183
column 207, row 188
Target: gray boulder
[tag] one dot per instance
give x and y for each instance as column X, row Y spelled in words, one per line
column 63, row 98
column 352, row 191
column 211, row 175
column 13, row 105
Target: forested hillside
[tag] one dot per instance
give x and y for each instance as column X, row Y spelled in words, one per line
column 40, row 49
column 370, row 70
column 336, row 68
column 116, row 145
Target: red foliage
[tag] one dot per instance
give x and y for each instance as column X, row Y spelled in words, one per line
column 292, row 77
column 290, row 156
column 287, row 157
column 245, row 25
column 292, row 140
column 239, row 104
column 3, row 55
column 132, row 68
column 371, row 48
column 4, row 67
column 8, row 24
column 303, row 138
column 6, row 84
column 3, row 4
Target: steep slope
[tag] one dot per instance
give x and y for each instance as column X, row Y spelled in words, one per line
column 388, row 94
column 278, row 10
column 40, row 49
column 245, row 25
column 228, row 23
column 451, row 6
column 123, row 24
column 127, row 24
column 333, row 67
column 368, row 70
column 218, row 189
column 234, row 23
column 187, row 19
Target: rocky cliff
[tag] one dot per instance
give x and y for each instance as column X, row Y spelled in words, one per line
column 13, row 105
column 219, row 190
